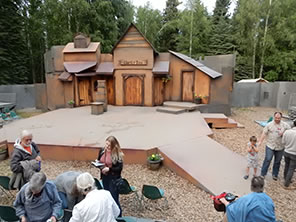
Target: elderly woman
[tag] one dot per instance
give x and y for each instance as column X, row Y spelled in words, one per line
column 38, row 200
column 98, row 205
column 112, row 157
column 67, row 188
column 25, row 159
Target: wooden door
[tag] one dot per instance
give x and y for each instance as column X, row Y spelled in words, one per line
column 187, row 86
column 84, row 91
column 110, row 91
column 133, row 91
column 158, row 91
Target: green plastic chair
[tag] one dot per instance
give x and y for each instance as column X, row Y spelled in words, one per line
column 4, row 186
column 7, row 214
column 126, row 219
column 126, row 189
column 98, row 184
column 153, row 193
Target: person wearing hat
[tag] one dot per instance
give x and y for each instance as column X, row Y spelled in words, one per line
column 97, row 206
column 38, row 200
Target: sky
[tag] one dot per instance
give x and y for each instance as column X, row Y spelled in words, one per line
column 160, row 4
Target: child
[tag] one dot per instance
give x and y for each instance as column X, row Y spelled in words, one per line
column 252, row 156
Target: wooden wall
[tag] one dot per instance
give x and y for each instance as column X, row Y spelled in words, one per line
column 180, row 70
column 58, row 92
column 122, row 78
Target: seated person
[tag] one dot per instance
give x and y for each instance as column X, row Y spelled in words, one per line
column 25, row 160
column 38, row 200
column 256, row 206
column 67, row 188
column 98, row 205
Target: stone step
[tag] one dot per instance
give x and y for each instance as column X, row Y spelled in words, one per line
column 171, row 110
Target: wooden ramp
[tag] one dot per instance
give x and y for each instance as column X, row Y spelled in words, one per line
column 219, row 120
column 209, row 164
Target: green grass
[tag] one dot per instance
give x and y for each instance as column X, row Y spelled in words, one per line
column 25, row 115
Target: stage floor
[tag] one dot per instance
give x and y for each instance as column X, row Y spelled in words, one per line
column 183, row 138
column 135, row 127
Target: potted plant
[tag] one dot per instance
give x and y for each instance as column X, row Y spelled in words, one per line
column 71, row 103
column 3, row 151
column 154, row 161
column 197, row 98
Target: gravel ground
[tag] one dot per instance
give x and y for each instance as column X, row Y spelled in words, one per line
column 236, row 140
column 186, row 201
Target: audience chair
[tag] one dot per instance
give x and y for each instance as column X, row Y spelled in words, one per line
column 153, row 193
column 7, row 214
column 126, row 219
column 99, row 184
column 4, row 186
column 127, row 189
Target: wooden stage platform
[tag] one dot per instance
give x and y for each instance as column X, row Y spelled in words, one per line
column 75, row 134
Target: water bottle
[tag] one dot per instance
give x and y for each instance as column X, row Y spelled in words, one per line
column 49, row 220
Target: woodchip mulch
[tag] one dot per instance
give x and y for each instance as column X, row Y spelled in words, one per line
column 187, row 203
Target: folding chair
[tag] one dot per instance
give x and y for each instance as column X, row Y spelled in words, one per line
column 153, row 193
column 98, row 184
column 4, row 186
column 7, row 214
column 127, row 189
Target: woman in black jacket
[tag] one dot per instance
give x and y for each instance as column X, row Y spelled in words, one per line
column 112, row 157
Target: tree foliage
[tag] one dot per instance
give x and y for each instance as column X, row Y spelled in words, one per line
column 262, row 33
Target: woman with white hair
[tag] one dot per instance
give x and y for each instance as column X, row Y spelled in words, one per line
column 112, row 157
column 97, row 206
column 38, row 200
column 25, row 150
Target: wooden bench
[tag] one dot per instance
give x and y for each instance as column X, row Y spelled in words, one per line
column 97, row 108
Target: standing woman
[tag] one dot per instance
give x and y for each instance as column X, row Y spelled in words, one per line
column 112, row 157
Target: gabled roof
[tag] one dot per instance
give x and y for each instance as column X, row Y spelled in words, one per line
column 133, row 25
column 210, row 72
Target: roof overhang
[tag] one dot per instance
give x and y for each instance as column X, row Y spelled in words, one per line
column 76, row 67
column 105, row 68
column 161, row 68
column 210, row 72
column 66, row 77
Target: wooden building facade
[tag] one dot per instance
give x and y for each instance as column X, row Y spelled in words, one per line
column 134, row 73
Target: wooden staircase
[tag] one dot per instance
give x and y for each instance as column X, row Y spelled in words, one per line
column 219, row 120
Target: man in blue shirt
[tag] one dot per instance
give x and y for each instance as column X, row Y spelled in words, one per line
column 256, row 206
column 38, row 200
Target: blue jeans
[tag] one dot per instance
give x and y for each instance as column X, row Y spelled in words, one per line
column 269, row 153
column 108, row 183
column 290, row 166
column 63, row 197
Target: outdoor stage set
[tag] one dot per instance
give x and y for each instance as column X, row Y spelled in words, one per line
column 134, row 75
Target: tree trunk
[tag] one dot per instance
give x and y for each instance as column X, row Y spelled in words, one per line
column 264, row 39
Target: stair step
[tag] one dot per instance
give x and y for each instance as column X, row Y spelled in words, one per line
column 171, row 110
column 214, row 118
column 181, row 105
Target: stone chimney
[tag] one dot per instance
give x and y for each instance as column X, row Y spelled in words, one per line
column 81, row 41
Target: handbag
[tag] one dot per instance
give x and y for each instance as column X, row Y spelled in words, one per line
column 120, row 184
